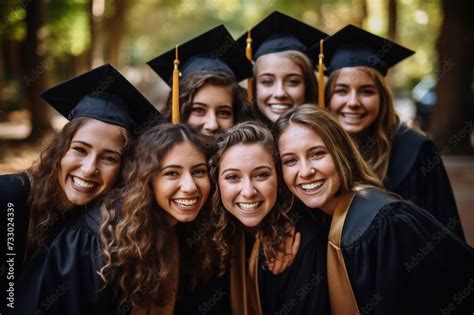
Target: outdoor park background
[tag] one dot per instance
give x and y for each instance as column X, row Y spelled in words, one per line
column 44, row 42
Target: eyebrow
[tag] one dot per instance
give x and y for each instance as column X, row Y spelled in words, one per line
column 237, row 170
column 310, row 149
column 200, row 104
column 90, row 146
column 180, row 166
column 362, row 86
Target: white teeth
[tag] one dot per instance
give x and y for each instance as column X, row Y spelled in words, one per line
column 280, row 106
column 79, row 182
column 248, row 206
column 315, row 185
column 352, row 115
column 186, row 202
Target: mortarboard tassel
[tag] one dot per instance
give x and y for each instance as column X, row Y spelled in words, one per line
column 321, row 75
column 175, row 92
column 248, row 54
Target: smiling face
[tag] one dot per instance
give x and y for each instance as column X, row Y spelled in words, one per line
column 248, row 183
column 211, row 110
column 181, row 186
column 280, row 85
column 91, row 165
column 355, row 101
column 308, row 168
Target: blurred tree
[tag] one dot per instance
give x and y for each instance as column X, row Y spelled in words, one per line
column 116, row 30
column 35, row 70
column 453, row 117
column 97, row 8
column 392, row 19
column 359, row 12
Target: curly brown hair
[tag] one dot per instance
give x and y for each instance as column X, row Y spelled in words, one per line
column 47, row 211
column 135, row 233
column 275, row 227
column 190, row 85
column 375, row 144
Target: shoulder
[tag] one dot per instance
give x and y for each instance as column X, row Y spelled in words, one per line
column 368, row 205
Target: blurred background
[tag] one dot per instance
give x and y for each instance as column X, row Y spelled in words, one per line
column 44, row 42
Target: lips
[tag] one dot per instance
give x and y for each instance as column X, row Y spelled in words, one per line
column 83, row 185
column 352, row 117
column 280, row 108
column 313, row 186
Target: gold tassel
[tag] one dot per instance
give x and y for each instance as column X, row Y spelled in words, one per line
column 248, row 54
column 175, row 92
column 321, row 74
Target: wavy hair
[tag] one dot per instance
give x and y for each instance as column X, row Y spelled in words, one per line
column 193, row 82
column 274, row 228
column 47, row 211
column 351, row 167
column 374, row 144
column 135, row 233
column 309, row 78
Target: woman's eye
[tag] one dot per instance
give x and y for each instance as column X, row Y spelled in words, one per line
column 263, row 175
column 340, row 91
column 231, row 177
column 79, row 149
column 266, row 82
column 368, row 92
column 294, row 82
column 200, row 172
column 224, row 114
column 318, row 154
column 110, row 159
column 171, row 173
column 289, row 162
column 197, row 110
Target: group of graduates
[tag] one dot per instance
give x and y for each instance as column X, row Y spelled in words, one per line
column 285, row 197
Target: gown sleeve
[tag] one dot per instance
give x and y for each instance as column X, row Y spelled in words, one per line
column 302, row 288
column 14, row 193
column 62, row 278
column 406, row 262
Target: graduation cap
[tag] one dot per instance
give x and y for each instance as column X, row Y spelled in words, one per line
column 103, row 94
column 279, row 32
column 214, row 50
column 352, row 46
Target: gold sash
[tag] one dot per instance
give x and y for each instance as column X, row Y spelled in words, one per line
column 342, row 297
column 244, row 293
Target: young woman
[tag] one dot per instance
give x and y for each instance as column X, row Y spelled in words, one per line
column 284, row 65
column 149, row 221
column 251, row 208
column 385, row 255
column 210, row 97
column 406, row 161
column 50, row 202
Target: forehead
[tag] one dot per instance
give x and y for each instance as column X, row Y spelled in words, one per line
column 100, row 134
column 213, row 94
column 183, row 154
column 246, row 157
column 354, row 76
column 298, row 138
column 276, row 63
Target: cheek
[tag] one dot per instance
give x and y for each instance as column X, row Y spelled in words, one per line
column 225, row 123
column 287, row 176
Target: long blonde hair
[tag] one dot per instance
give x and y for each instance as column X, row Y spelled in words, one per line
column 374, row 143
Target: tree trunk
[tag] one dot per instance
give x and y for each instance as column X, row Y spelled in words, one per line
column 35, row 74
column 96, row 17
column 453, row 117
column 392, row 20
column 359, row 12
column 115, row 31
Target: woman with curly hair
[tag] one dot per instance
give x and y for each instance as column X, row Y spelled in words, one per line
column 151, row 219
column 51, row 203
column 384, row 255
column 284, row 65
column 405, row 160
column 210, row 97
column 253, row 226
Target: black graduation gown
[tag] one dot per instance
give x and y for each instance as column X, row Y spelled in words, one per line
column 14, row 192
column 62, row 278
column 401, row 260
column 416, row 173
column 302, row 288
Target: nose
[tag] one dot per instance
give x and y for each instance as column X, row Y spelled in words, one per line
column 353, row 100
column 89, row 165
column 306, row 170
column 187, row 184
column 248, row 189
column 210, row 125
column 279, row 91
